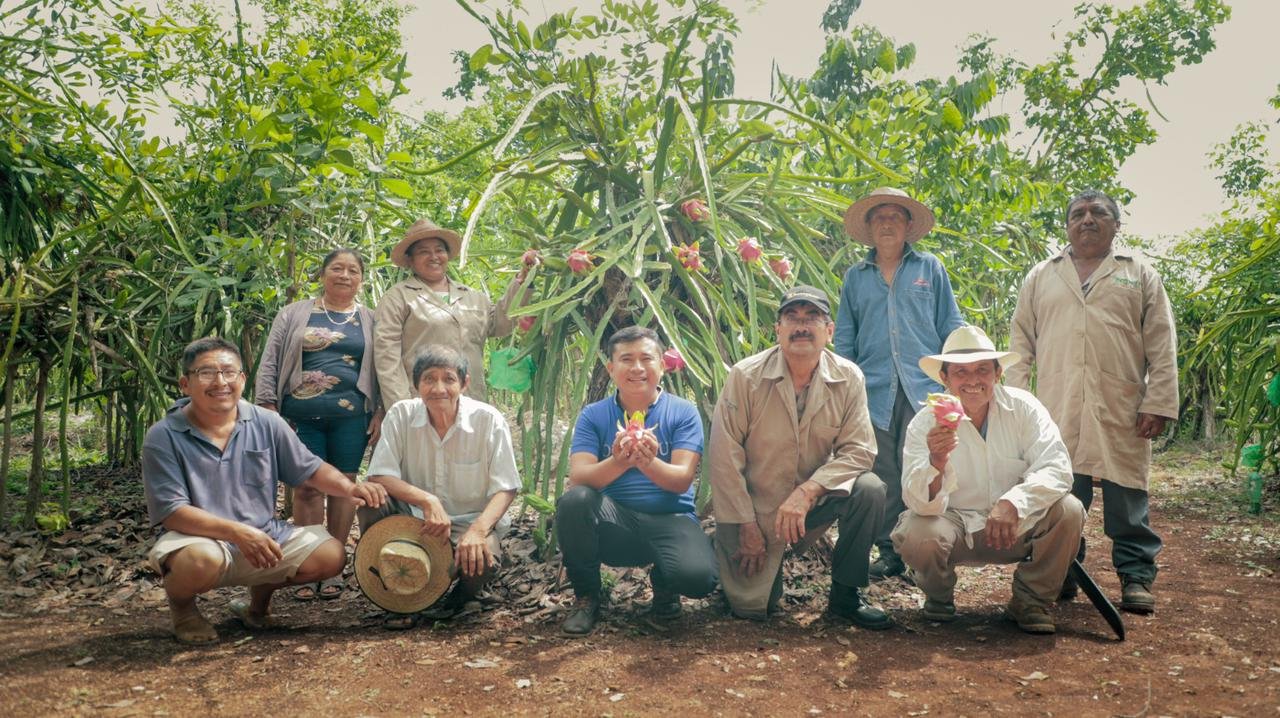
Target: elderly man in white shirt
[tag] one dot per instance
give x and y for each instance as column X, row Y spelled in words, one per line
column 994, row 489
column 447, row 459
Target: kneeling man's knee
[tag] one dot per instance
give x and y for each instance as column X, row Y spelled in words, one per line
column 918, row 542
column 577, row 501
column 326, row 561
column 869, row 488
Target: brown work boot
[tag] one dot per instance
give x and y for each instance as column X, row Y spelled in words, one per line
column 1136, row 596
column 1030, row 617
column 940, row 611
column 582, row 618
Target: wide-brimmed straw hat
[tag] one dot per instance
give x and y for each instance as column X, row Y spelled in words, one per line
column 425, row 229
column 401, row 570
column 966, row 345
column 855, row 218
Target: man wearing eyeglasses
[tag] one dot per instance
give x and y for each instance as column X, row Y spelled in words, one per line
column 791, row 452
column 210, row 469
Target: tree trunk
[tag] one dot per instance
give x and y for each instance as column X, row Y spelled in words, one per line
column 35, row 479
column 10, row 375
column 1208, row 414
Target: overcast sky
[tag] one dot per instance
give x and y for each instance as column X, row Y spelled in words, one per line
column 1175, row 189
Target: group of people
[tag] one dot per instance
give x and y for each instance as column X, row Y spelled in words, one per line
column 802, row 437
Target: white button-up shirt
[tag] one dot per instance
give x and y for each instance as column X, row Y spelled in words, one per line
column 1022, row 459
column 473, row 461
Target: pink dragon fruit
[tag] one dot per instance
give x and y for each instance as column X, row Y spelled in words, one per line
column 579, row 261
column 672, row 360
column 689, row 256
column 781, row 267
column 749, row 250
column 946, row 409
column 695, row 210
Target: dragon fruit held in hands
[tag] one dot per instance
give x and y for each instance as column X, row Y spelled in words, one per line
column 946, row 409
column 634, row 429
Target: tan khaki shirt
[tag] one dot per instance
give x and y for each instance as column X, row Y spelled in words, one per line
column 760, row 450
column 1100, row 359
column 411, row 316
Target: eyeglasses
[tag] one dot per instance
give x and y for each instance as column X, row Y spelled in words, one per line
column 207, row 375
column 800, row 321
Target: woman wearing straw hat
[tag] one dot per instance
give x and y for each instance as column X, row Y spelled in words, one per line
column 431, row 308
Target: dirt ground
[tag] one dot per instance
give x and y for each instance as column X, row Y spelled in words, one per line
column 83, row 634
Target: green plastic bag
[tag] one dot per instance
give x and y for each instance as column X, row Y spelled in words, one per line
column 516, row 377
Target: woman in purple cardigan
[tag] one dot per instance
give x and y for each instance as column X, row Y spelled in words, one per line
column 317, row 371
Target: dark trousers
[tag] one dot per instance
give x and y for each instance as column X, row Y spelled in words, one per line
column 1126, row 521
column 594, row 530
column 888, row 467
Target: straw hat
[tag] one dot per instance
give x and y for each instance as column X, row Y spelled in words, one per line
column 425, row 229
column 401, row 570
column 966, row 345
column 855, row 218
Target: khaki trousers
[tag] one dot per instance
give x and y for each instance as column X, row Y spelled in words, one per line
column 934, row 545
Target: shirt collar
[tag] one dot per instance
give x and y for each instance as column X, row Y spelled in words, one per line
column 1118, row 250
column 776, row 367
column 869, row 260
column 462, row 422
column 177, row 418
column 414, row 282
column 617, row 401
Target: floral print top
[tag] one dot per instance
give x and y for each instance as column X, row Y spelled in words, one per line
column 331, row 351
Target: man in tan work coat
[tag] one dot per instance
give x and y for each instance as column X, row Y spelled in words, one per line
column 790, row 452
column 1096, row 323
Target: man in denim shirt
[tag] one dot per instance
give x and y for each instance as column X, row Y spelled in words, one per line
column 896, row 306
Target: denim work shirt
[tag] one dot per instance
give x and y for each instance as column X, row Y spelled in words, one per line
column 886, row 329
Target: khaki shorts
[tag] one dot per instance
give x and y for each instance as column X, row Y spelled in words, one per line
column 236, row 569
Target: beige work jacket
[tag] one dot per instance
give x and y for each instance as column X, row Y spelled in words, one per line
column 759, row 451
column 411, row 316
column 1100, row 359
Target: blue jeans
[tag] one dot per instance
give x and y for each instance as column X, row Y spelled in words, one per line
column 338, row 440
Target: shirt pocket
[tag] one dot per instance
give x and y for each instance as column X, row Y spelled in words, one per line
column 466, row 487
column 1117, row 401
column 257, row 478
column 823, row 435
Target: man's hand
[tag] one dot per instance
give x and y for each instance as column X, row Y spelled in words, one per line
column 789, row 524
column 259, row 549
column 435, row 520
column 1002, row 526
column 1150, row 426
column 645, row 450
column 368, row 494
column 472, row 554
column 751, row 551
column 941, row 442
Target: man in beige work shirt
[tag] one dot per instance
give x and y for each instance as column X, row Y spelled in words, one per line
column 790, row 452
column 1096, row 323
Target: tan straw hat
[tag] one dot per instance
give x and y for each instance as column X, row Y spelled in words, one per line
column 401, row 570
column 855, row 218
column 425, row 229
column 966, row 345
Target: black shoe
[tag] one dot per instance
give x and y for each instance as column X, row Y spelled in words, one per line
column 1136, row 596
column 887, row 566
column 582, row 618
column 846, row 603
column 1070, row 589
column 665, row 605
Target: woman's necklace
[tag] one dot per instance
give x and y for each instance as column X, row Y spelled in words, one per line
column 345, row 320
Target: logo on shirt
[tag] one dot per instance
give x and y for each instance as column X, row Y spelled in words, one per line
column 1125, row 281
column 921, row 282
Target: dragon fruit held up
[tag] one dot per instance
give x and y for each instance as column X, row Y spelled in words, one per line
column 946, row 409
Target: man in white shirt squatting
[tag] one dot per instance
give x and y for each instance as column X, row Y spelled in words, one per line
column 447, row 459
column 994, row 489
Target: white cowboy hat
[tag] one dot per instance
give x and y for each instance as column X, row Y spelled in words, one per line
column 966, row 345
column 425, row 229
column 855, row 218
column 401, row 570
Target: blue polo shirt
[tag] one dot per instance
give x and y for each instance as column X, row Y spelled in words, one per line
column 886, row 330
column 677, row 425
column 180, row 467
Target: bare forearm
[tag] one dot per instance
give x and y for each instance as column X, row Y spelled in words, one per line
column 402, row 490
column 198, row 522
column 328, row 480
column 493, row 511
column 595, row 474
column 675, row 478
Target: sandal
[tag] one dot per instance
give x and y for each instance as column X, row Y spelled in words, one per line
column 194, row 630
column 401, row 621
column 332, row 588
column 251, row 621
column 306, row 592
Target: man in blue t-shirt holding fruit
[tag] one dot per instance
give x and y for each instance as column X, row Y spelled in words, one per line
column 630, row 503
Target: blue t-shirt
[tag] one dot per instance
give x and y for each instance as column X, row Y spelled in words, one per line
column 677, row 425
